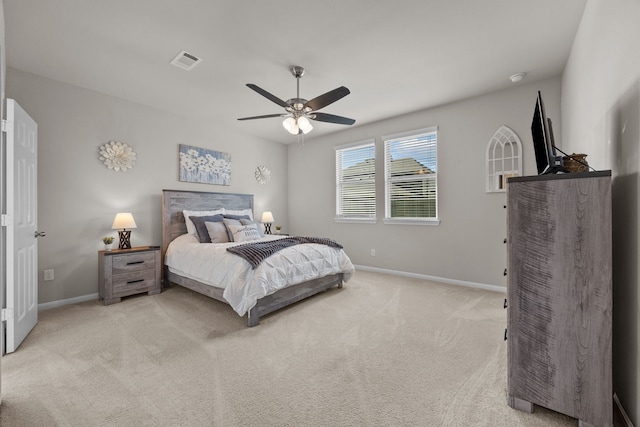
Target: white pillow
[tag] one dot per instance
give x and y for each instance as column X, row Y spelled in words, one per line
column 247, row 212
column 244, row 233
column 250, row 221
column 191, row 228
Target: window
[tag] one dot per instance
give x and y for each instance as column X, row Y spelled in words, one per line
column 356, row 182
column 411, row 177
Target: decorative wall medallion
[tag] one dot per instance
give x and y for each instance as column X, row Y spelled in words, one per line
column 117, row 156
column 263, row 174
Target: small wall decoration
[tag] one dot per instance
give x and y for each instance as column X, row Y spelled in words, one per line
column 263, row 174
column 117, row 156
column 204, row 166
column 504, row 159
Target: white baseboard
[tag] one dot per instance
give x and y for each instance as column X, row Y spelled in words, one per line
column 494, row 288
column 61, row 302
column 623, row 413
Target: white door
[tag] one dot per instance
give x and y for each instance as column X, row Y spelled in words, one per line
column 21, row 221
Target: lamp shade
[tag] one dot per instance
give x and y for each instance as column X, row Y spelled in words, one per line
column 123, row 220
column 267, row 217
column 304, row 124
column 290, row 125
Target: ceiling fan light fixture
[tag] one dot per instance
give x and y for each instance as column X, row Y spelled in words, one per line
column 290, row 125
column 300, row 111
column 304, row 124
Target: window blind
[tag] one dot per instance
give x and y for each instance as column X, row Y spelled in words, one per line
column 356, row 181
column 411, row 175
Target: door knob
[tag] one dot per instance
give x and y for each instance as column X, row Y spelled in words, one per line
column 39, row 234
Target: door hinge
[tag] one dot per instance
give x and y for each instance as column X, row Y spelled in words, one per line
column 5, row 220
column 6, row 314
column 7, row 125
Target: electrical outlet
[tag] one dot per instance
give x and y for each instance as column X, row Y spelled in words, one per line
column 48, row 275
column 373, row 252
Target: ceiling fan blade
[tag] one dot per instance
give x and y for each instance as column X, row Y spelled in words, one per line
column 267, row 95
column 262, row 117
column 330, row 118
column 327, row 98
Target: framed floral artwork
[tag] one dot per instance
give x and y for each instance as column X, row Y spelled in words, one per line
column 204, row 166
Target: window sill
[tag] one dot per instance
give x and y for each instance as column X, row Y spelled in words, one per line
column 412, row 221
column 356, row 220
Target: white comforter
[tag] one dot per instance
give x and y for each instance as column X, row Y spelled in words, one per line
column 210, row 263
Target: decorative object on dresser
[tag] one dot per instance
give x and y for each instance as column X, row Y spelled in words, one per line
column 121, row 222
column 117, row 156
column 267, row 220
column 124, row 272
column 278, row 229
column 576, row 163
column 559, row 292
column 204, row 166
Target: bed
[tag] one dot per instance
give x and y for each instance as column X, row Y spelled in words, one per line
column 177, row 240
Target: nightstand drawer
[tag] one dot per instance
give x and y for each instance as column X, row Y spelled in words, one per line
column 137, row 261
column 136, row 281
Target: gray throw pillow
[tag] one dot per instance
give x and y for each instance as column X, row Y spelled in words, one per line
column 201, row 229
column 217, row 232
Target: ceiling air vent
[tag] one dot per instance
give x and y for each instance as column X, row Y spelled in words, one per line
column 185, row 60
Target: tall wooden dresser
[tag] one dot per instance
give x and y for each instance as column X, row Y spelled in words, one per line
column 559, row 295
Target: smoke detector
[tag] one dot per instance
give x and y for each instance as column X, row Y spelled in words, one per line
column 517, row 77
column 185, row 60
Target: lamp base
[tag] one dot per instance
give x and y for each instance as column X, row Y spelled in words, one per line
column 267, row 228
column 125, row 239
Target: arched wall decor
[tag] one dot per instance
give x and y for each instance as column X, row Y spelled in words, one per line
column 504, row 159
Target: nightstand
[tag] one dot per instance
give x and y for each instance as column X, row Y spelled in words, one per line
column 124, row 272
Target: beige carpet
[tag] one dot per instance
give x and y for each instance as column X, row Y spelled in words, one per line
column 383, row 351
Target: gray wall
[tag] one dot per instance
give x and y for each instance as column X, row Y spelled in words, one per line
column 78, row 196
column 468, row 245
column 601, row 117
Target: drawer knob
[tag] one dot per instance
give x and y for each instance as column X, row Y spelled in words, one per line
column 135, row 262
column 135, row 281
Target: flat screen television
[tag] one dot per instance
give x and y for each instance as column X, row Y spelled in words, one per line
column 547, row 159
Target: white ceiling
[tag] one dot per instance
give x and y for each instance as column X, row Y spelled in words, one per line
column 396, row 56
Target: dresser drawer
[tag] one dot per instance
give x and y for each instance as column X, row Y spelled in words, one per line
column 136, row 281
column 137, row 261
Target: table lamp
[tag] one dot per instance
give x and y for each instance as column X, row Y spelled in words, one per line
column 122, row 221
column 267, row 219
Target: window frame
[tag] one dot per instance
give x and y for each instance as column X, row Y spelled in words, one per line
column 387, row 141
column 339, row 216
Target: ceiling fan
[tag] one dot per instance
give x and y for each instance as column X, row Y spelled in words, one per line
column 299, row 111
